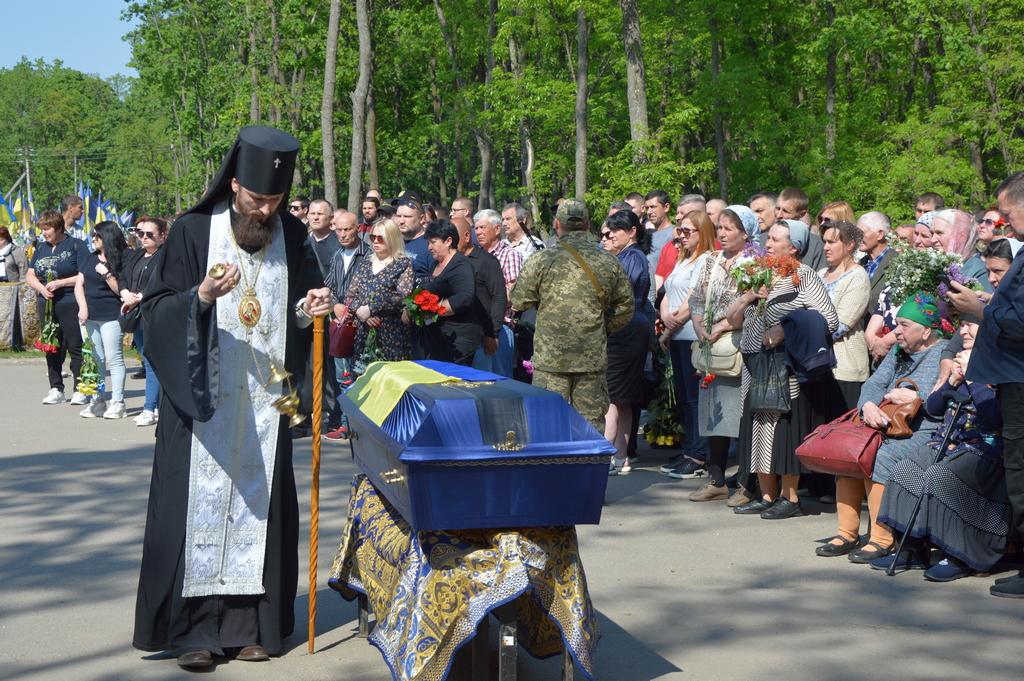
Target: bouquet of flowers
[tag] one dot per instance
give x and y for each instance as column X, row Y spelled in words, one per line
column 663, row 428
column 755, row 268
column 89, row 377
column 48, row 340
column 422, row 306
column 371, row 353
column 950, row 315
column 917, row 269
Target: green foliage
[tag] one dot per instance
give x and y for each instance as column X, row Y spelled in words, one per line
column 927, row 96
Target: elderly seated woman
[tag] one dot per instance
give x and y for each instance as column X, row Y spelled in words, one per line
column 965, row 510
column 915, row 357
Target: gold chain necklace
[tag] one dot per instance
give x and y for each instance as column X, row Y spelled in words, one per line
column 249, row 308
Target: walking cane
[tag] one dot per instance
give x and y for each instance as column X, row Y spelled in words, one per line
column 314, row 494
column 960, row 400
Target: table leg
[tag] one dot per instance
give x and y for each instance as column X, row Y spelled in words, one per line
column 507, row 645
column 568, row 668
column 481, row 650
column 364, row 616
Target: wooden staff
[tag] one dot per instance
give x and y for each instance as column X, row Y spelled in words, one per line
column 314, row 494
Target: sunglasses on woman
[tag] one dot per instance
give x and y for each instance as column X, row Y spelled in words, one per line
column 684, row 231
column 605, row 236
column 143, row 234
column 376, row 238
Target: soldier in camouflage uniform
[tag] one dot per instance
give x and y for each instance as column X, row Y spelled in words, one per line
column 576, row 311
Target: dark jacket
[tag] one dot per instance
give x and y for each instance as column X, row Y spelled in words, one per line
column 878, row 280
column 337, row 278
column 998, row 354
column 491, row 298
column 808, row 345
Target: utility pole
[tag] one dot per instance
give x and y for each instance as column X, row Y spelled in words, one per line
column 28, row 176
column 75, row 187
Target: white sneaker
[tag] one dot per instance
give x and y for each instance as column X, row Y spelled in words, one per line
column 146, row 418
column 55, row 396
column 116, row 410
column 619, row 467
column 79, row 398
column 94, row 410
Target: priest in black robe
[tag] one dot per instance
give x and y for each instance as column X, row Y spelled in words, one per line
column 231, row 300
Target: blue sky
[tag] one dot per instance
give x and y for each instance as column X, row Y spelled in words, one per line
column 84, row 34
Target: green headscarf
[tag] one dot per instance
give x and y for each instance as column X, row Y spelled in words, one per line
column 922, row 308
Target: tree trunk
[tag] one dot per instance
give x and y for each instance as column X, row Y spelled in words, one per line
column 526, row 139
column 327, row 105
column 830, row 94
column 723, row 171
column 275, row 67
column 582, row 60
column 254, row 78
column 435, row 97
column 994, row 112
column 482, row 142
column 355, row 169
column 636, row 78
column 371, row 139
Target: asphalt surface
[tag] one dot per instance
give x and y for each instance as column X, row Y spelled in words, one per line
column 684, row 590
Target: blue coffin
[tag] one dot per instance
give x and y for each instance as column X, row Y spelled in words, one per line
column 478, row 454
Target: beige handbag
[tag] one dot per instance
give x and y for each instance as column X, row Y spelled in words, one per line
column 723, row 357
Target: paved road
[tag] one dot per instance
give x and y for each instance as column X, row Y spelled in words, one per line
column 685, row 591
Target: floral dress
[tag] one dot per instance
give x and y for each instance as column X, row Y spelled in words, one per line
column 383, row 292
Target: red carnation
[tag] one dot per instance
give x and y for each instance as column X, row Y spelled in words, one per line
column 948, row 327
column 421, row 298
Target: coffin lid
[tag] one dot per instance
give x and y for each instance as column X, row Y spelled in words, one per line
column 429, row 411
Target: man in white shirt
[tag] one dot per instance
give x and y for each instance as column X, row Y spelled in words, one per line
column 515, row 220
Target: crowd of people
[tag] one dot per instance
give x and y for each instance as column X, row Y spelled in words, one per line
column 755, row 369
column 593, row 308
column 91, row 292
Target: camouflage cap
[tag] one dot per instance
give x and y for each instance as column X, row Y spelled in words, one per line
column 572, row 210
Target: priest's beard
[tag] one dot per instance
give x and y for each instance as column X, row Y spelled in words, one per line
column 251, row 233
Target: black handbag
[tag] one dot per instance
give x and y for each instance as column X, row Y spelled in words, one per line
column 130, row 321
column 769, row 381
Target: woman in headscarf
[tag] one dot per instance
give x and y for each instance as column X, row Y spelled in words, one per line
column 768, row 437
column 954, row 231
column 916, row 357
column 923, row 230
column 713, row 292
column 964, row 511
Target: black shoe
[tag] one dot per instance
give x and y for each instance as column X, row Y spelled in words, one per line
column 1004, row 580
column 196, row 659
column 673, row 463
column 1013, row 588
column 300, row 432
column 870, row 552
column 141, row 373
column 830, row 550
column 782, row 508
column 755, row 507
column 688, row 470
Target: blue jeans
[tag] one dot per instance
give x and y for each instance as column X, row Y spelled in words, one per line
column 687, row 385
column 501, row 361
column 106, row 342
column 152, row 382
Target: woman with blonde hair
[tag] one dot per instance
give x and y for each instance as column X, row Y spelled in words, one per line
column 837, row 211
column 376, row 293
column 696, row 236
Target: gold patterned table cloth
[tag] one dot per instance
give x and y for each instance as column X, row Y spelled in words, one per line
column 430, row 590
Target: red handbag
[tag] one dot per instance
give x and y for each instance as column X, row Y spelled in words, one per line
column 846, row 446
column 342, row 337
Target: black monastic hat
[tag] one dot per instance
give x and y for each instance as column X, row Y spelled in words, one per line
column 262, row 159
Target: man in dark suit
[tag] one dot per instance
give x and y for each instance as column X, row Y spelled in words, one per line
column 877, row 254
column 998, row 359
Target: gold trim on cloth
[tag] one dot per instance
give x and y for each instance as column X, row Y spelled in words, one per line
column 430, row 590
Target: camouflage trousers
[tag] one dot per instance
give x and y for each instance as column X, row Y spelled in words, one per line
column 587, row 393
